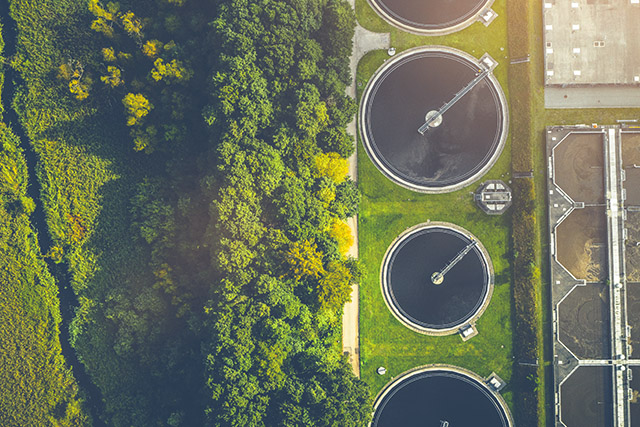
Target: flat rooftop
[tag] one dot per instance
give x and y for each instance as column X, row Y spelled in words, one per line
column 592, row 42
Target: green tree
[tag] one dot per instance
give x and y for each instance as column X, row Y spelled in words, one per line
column 311, row 112
column 338, row 24
column 334, row 288
column 347, row 200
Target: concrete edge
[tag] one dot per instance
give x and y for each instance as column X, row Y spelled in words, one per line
column 437, row 367
column 384, row 285
column 473, row 18
column 502, row 100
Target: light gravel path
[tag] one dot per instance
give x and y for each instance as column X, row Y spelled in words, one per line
column 363, row 42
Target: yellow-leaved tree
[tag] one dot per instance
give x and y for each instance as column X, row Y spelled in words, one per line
column 114, row 78
column 334, row 288
column 151, row 48
column 108, row 54
column 342, row 233
column 137, row 107
column 173, row 70
column 79, row 83
column 333, row 166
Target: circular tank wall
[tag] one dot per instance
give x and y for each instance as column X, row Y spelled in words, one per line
column 430, row 17
column 433, row 395
column 432, row 303
column 460, row 146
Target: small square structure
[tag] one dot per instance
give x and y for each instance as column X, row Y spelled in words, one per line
column 495, row 382
column 468, row 331
column 493, row 197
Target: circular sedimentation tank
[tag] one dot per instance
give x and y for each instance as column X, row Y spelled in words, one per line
column 430, row 17
column 440, row 395
column 459, row 145
column 436, row 278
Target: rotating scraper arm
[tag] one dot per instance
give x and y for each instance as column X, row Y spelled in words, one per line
column 438, row 276
column 422, row 129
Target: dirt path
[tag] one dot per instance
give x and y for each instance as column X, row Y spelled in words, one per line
column 363, row 42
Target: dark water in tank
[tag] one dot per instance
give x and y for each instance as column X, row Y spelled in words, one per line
column 427, row 398
column 437, row 306
column 586, row 398
column 450, row 153
column 431, row 14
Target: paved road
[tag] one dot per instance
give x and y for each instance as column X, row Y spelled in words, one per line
column 363, row 42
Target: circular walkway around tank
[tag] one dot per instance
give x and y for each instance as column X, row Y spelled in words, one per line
column 431, row 395
column 430, row 17
column 407, row 281
column 452, row 154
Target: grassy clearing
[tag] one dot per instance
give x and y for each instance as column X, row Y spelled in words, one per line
column 384, row 341
column 387, row 210
column 36, row 386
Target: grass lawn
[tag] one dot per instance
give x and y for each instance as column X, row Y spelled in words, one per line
column 387, row 210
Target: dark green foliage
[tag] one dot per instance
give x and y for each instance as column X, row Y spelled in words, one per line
column 525, row 268
column 526, row 279
column 336, row 33
column 153, row 216
column 526, row 273
column 232, row 117
column 273, row 316
column 345, row 205
column 338, row 140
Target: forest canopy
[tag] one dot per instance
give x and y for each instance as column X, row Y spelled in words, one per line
column 192, row 160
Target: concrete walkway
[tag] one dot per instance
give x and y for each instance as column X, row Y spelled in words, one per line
column 363, row 42
column 592, row 97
